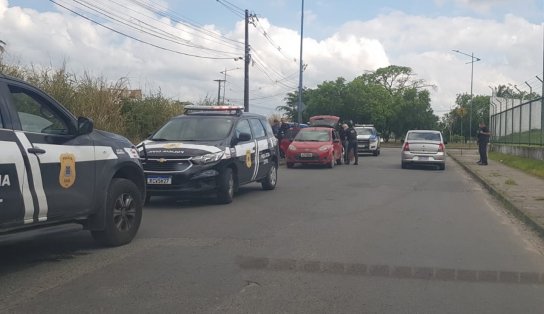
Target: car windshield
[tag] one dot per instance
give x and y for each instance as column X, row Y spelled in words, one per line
column 363, row 131
column 194, row 129
column 424, row 136
column 307, row 135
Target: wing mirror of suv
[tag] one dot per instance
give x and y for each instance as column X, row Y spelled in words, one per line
column 336, row 140
column 84, row 125
column 244, row 137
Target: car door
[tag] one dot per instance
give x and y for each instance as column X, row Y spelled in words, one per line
column 16, row 205
column 262, row 149
column 61, row 164
column 337, row 145
column 245, row 153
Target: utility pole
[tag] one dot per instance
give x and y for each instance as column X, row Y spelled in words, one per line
column 299, row 104
column 247, row 58
column 219, row 91
column 225, row 80
column 472, row 60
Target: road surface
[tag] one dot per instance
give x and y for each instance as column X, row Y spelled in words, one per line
column 371, row 238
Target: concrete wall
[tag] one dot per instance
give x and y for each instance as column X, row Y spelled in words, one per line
column 528, row 152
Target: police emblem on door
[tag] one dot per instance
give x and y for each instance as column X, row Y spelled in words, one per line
column 67, row 175
column 248, row 158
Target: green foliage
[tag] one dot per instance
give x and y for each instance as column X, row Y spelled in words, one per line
column 108, row 103
column 530, row 166
column 389, row 98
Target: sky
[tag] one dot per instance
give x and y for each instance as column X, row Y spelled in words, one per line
column 180, row 47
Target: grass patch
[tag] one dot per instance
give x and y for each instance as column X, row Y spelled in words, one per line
column 495, row 174
column 510, row 182
column 527, row 165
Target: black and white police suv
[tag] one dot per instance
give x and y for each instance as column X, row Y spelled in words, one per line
column 210, row 150
column 54, row 169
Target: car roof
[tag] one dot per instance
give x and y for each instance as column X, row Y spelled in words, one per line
column 424, row 131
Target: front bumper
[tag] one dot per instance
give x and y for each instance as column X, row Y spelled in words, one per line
column 309, row 157
column 194, row 179
column 367, row 147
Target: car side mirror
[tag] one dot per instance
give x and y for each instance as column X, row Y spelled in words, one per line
column 244, row 137
column 336, row 141
column 84, row 125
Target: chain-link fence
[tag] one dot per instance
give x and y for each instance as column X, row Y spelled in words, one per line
column 516, row 122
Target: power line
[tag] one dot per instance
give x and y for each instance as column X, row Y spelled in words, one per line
column 137, row 39
column 151, row 30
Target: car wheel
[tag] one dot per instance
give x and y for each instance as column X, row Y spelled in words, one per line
column 442, row 167
column 123, row 214
column 332, row 162
column 376, row 152
column 225, row 187
column 269, row 182
column 403, row 165
column 290, row 164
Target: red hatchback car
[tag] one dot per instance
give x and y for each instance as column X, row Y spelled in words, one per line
column 315, row 145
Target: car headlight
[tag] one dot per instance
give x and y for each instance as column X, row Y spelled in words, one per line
column 208, row 158
column 324, row 148
column 292, row 147
column 373, row 139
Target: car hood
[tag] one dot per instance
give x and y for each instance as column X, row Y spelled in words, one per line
column 309, row 145
column 149, row 148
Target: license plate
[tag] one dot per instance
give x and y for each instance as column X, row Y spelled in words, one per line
column 159, row 180
column 423, row 158
column 303, row 155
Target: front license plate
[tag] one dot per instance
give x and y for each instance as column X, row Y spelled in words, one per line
column 159, row 180
column 304, row 155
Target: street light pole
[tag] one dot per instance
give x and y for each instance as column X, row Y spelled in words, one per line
column 472, row 60
column 299, row 104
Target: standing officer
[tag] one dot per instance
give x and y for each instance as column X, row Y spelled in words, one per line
column 351, row 137
column 483, row 140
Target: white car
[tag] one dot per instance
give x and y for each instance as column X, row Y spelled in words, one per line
column 368, row 140
column 424, row 147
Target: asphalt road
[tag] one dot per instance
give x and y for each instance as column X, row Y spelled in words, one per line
column 371, row 238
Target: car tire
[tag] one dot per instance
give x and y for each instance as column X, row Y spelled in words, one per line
column 403, row 165
column 332, row 162
column 269, row 182
column 376, row 152
column 442, row 167
column 123, row 214
column 289, row 164
column 147, row 199
column 225, row 186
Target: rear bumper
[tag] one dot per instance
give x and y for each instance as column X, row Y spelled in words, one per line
column 315, row 159
column 409, row 157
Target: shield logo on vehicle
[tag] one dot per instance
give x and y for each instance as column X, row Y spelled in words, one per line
column 67, row 175
column 248, row 158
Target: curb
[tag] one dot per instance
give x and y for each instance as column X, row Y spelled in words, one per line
column 510, row 206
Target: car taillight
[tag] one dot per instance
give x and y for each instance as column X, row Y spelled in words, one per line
column 441, row 147
column 406, row 147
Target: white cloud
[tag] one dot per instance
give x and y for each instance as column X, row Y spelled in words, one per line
column 510, row 50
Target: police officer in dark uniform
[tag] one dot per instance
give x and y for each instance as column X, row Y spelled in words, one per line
column 351, row 138
column 483, row 140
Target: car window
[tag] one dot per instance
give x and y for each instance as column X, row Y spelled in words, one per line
column 243, row 127
column 424, row 136
column 194, row 129
column 257, row 127
column 267, row 127
column 313, row 136
column 363, row 131
column 35, row 114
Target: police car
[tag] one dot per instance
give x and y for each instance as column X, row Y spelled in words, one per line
column 210, row 150
column 55, row 168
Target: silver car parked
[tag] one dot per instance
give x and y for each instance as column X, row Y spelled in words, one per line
column 424, row 147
